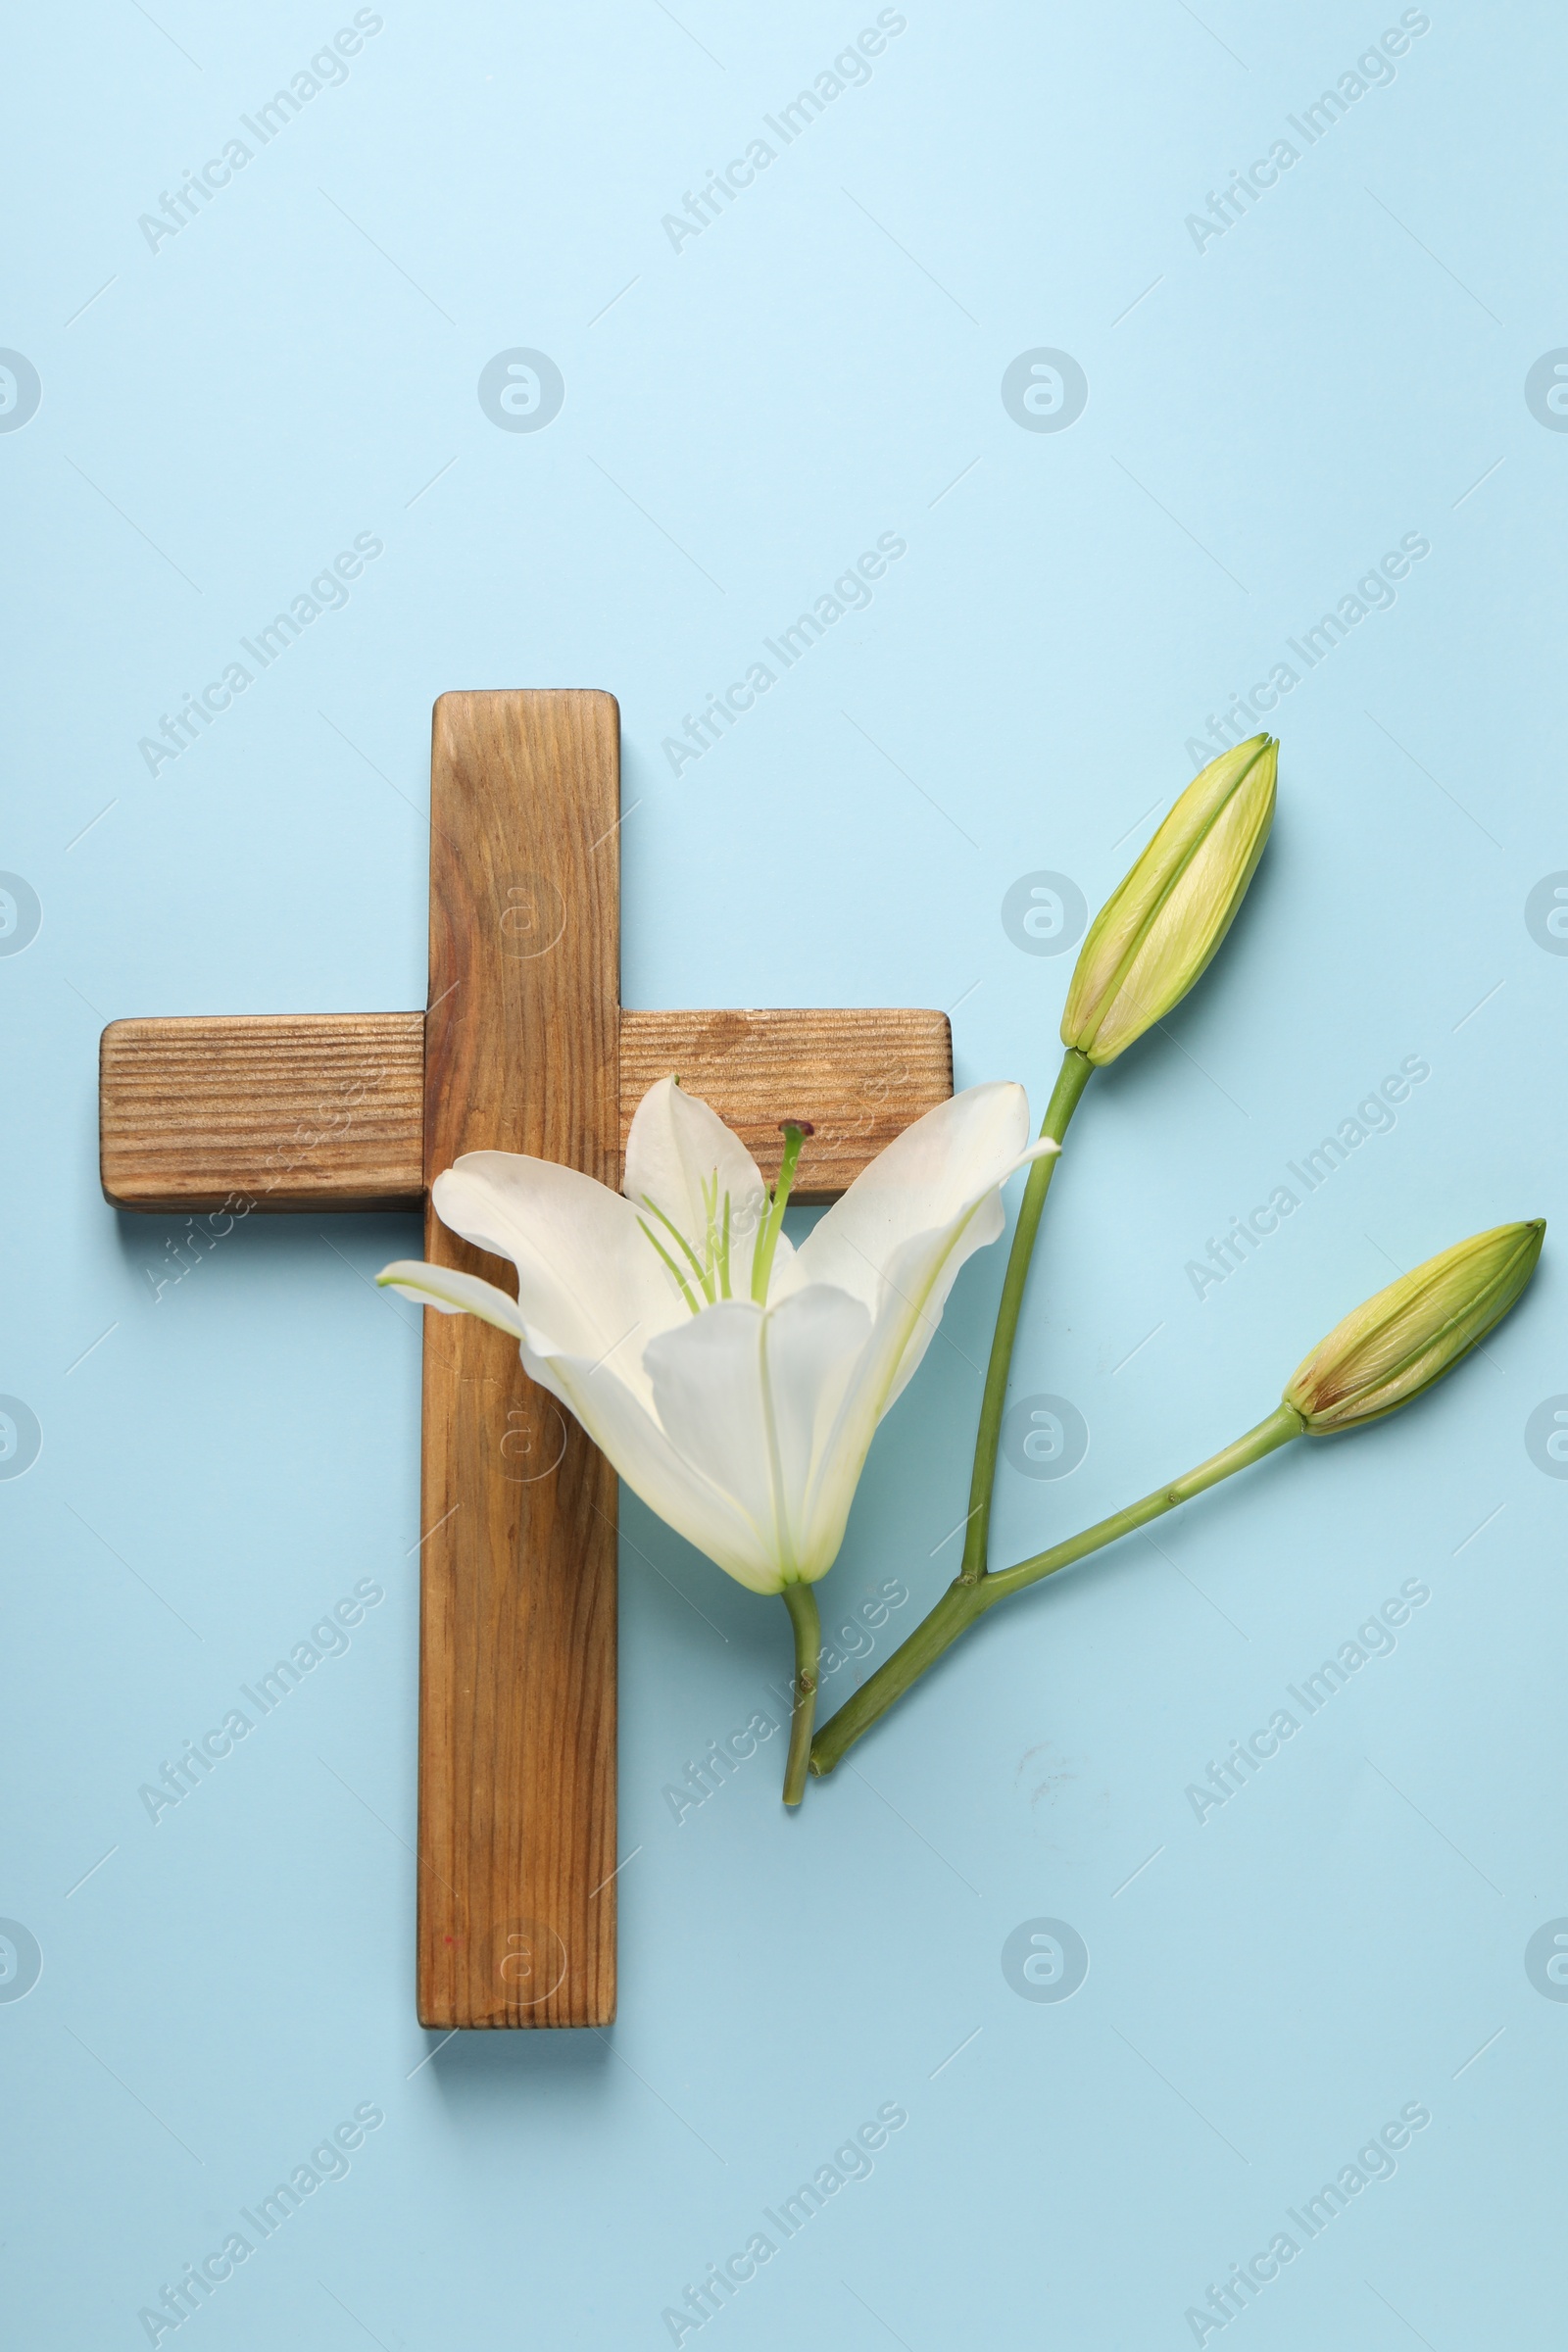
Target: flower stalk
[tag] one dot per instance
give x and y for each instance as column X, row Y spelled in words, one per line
column 1162, row 925
column 800, row 1602
column 1155, row 936
column 965, row 1602
column 1067, row 1095
column 1383, row 1355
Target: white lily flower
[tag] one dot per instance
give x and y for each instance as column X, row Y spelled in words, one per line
column 734, row 1382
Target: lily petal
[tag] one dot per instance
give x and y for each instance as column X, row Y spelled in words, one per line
column 453, row 1294
column 587, row 1274
column 926, row 1177
column 927, row 1265
column 621, row 1424
column 751, row 1397
column 677, row 1146
column 913, row 1286
column 614, row 1410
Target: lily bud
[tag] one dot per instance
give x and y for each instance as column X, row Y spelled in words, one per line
column 1409, row 1335
column 1157, row 930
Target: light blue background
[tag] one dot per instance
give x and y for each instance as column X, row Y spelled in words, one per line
column 1267, row 417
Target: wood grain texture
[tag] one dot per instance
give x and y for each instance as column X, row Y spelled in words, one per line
column 859, row 1077
column 326, row 1111
column 322, row 1110
column 518, row 1657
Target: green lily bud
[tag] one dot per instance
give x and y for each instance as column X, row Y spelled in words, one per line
column 1397, row 1343
column 1159, row 927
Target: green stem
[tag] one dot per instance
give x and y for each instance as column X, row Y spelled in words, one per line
column 801, row 1602
column 962, row 1603
column 1071, row 1079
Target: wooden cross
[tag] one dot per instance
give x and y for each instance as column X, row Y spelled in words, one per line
column 524, row 1048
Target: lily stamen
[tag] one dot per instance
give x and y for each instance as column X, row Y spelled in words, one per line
column 710, row 1237
column 704, row 1276
column 685, row 1286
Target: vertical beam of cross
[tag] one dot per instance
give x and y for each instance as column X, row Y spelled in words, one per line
column 517, row 1922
